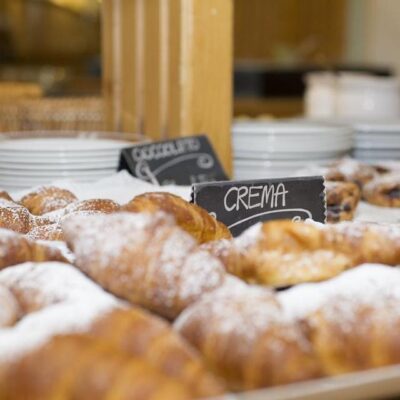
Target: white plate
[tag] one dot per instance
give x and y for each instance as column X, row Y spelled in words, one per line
column 43, row 167
column 305, row 156
column 49, row 173
column 246, row 163
column 57, row 159
column 44, row 145
column 295, row 128
column 296, row 145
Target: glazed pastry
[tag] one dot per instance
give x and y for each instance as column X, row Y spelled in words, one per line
column 245, row 337
column 47, row 199
column 14, row 216
column 284, row 253
column 5, row 196
column 383, row 191
column 16, row 249
column 144, row 258
column 349, row 170
column 341, row 199
column 110, row 338
column 190, row 217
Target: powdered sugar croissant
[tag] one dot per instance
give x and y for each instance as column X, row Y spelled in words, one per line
column 16, row 249
column 144, row 258
column 190, row 217
column 105, row 349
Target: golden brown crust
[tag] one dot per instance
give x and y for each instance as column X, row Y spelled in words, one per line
column 190, row 217
column 144, row 258
column 47, row 199
column 383, row 191
column 342, row 199
column 285, row 253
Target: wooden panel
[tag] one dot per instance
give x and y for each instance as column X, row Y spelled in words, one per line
column 168, row 68
column 290, row 30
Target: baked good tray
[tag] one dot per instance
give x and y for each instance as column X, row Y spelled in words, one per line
column 380, row 383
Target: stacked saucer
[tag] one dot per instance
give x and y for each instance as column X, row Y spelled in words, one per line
column 377, row 141
column 281, row 149
column 38, row 159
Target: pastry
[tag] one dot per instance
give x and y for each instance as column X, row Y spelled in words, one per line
column 9, row 308
column 341, row 200
column 284, row 253
column 243, row 334
column 103, row 206
column 255, row 339
column 144, row 258
column 190, row 217
column 105, row 348
column 16, row 249
column 46, row 232
column 349, row 170
column 383, row 191
column 14, row 216
column 47, row 199
column 352, row 319
column 5, row 196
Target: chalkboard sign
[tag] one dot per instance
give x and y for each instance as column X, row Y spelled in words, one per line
column 240, row 204
column 182, row 161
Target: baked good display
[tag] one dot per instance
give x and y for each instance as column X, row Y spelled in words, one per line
column 190, row 217
column 99, row 348
column 284, row 253
column 350, row 170
column 47, row 199
column 144, row 258
column 341, row 200
column 16, row 249
column 343, row 325
column 384, row 190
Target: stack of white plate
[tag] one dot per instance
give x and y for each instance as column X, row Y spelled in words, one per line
column 27, row 161
column 282, row 149
column 377, row 141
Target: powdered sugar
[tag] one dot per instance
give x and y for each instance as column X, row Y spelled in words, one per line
column 9, row 309
column 368, row 284
column 63, row 301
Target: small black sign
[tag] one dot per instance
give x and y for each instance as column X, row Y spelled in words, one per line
column 240, row 204
column 182, row 161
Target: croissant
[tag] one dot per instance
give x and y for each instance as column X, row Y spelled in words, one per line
column 243, row 334
column 190, row 217
column 384, row 191
column 14, row 216
column 352, row 319
column 144, row 258
column 10, row 310
column 255, row 339
column 46, row 232
column 284, row 253
column 47, row 199
column 16, row 249
column 107, row 330
column 341, row 199
column 5, row 196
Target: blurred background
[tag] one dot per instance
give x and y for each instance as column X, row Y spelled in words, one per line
column 52, row 48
